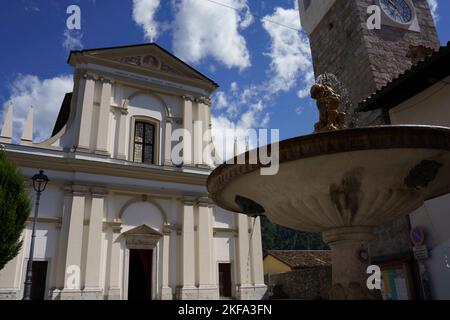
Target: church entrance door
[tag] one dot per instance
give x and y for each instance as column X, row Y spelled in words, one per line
column 140, row 275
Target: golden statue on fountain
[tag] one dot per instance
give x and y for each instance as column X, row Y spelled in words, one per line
column 328, row 103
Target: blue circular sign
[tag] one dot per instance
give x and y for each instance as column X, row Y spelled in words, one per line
column 417, row 236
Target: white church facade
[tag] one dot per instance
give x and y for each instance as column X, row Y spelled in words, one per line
column 120, row 220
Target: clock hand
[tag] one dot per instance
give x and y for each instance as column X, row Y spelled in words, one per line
column 396, row 8
column 394, row 5
column 391, row 6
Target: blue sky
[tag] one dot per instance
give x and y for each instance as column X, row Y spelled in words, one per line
column 263, row 68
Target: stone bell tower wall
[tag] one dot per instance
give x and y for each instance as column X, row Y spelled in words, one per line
column 365, row 60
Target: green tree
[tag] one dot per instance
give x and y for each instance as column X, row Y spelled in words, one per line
column 14, row 210
column 275, row 237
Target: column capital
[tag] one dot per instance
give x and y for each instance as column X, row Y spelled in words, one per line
column 204, row 100
column 167, row 229
column 189, row 200
column 98, row 192
column 170, row 120
column 115, row 225
column 176, row 120
column 106, row 80
column 205, row 202
column 89, row 76
column 76, row 190
column 124, row 109
column 67, row 190
column 187, row 98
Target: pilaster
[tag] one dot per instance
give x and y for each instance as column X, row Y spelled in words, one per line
column 207, row 288
column 166, row 290
column 121, row 138
column 188, row 127
column 114, row 291
column 168, row 142
column 257, row 256
column 86, row 104
column 188, row 290
column 72, row 278
column 103, row 119
column 94, row 247
column 243, row 257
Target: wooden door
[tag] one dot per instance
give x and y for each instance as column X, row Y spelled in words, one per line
column 225, row 280
column 39, row 280
column 140, row 275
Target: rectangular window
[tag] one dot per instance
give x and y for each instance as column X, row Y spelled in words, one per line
column 144, row 139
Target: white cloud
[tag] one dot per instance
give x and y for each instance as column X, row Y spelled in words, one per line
column 72, row 40
column 249, row 93
column 299, row 110
column 221, row 100
column 289, row 51
column 144, row 16
column 204, row 29
column 434, row 7
column 45, row 96
column 247, row 18
column 225, row 131
column 233, row 128
column 291, row 67
column 308, row 81
column 222, row 103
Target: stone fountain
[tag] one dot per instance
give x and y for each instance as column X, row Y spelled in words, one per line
column 343, row 183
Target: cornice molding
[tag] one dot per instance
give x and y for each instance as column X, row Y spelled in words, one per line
column 232, row 231
column 119, row 70
column 47, row 220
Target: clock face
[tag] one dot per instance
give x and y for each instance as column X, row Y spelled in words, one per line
column 398, row 10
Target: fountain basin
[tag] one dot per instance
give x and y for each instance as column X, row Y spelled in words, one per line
column 343, row 184
column 355, row 177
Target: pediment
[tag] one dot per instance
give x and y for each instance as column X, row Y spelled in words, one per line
column 143, row 237
column 143, row 231
column 149, row 57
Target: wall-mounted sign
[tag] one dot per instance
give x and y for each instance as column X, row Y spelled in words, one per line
column 417, row 236
column 420, row 252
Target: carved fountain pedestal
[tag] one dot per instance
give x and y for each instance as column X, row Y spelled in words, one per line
column 343, row 184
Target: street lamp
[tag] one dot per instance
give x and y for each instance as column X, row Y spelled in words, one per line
column 40, row 181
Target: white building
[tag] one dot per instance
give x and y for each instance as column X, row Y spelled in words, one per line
column 119, row 220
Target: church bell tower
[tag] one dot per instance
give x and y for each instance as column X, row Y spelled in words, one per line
column 364, row 59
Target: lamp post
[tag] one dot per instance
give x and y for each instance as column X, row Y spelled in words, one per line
column 40, row 181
